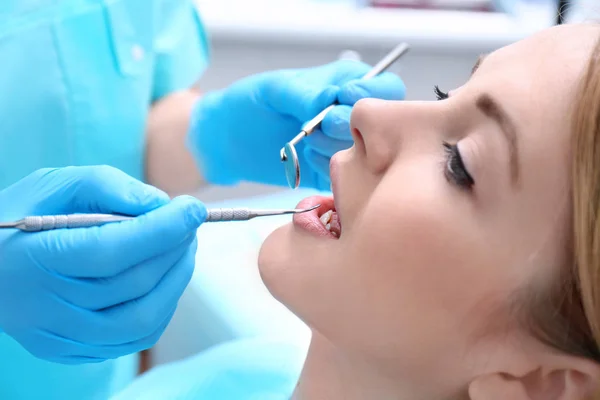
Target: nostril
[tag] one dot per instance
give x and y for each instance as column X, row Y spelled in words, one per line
column 358, row 140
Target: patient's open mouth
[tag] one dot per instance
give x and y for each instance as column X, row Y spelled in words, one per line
column 323, row 221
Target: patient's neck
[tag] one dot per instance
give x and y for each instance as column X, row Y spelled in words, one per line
column 330, row 373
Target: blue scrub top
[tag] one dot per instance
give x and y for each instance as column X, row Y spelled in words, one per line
column 77, row 79
column 246, row 369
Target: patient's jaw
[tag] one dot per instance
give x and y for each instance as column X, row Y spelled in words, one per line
column 420, row 280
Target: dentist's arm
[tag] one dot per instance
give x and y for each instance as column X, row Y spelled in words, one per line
column 234, row 135
column 169, row 164
column 180, row 55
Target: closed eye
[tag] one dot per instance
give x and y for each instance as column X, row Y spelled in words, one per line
column 454, row 168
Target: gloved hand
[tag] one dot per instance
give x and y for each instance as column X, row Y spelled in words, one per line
column 236, row 133
column 85, row 295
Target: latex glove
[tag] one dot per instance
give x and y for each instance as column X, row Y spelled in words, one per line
column 86, row 295
column 236, row 133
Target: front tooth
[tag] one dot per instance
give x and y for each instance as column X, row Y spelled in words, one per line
column 328, row 227
column 325, row 218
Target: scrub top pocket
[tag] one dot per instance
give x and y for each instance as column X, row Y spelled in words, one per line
column 106, row 54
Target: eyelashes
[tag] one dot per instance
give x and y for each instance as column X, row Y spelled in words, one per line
column 439, row 94
column 454, row 168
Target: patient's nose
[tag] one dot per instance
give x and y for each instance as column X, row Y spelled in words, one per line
column 373, row 125
column 384, row 131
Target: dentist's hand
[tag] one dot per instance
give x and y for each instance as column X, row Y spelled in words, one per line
column 86, row 295
column 236, row 133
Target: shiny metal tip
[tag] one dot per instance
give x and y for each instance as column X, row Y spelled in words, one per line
column 306, row 209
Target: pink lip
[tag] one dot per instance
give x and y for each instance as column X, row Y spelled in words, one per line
column 309, row 221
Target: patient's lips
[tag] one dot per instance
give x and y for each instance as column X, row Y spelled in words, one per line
column 311, row 221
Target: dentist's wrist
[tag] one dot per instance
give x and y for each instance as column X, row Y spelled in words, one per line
column 207, row 141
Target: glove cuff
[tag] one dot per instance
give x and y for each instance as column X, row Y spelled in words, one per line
column 207, row 142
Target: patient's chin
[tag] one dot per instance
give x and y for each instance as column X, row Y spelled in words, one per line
column 275, row 257
column 285, row 264
column 295, row 268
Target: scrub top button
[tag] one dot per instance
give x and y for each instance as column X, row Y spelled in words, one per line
column 137, row 52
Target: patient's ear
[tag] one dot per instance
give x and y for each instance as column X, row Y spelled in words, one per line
column 572, row 378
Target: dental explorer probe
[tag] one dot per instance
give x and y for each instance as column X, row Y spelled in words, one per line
column 288, row 154
column 69, row 221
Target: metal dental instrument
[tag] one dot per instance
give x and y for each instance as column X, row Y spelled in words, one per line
column 245, row 214
column 288, row 154
column 50, row 222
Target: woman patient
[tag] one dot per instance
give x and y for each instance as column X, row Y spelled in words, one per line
column 463, row 257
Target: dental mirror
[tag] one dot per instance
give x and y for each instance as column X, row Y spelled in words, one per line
column 288, row 154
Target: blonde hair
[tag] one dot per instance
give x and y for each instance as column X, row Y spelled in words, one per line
column 567, row 317
column 584, row 278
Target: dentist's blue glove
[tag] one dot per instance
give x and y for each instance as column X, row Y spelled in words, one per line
column 85, row 295
column 236, row 133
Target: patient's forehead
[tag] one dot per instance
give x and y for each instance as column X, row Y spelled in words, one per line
column 536, row 79
column 555, row 57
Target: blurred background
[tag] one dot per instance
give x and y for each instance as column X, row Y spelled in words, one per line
column 446, row 37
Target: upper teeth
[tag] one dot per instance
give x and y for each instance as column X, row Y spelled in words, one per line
column 326, row 219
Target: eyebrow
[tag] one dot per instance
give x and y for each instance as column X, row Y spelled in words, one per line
column 489, row 107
